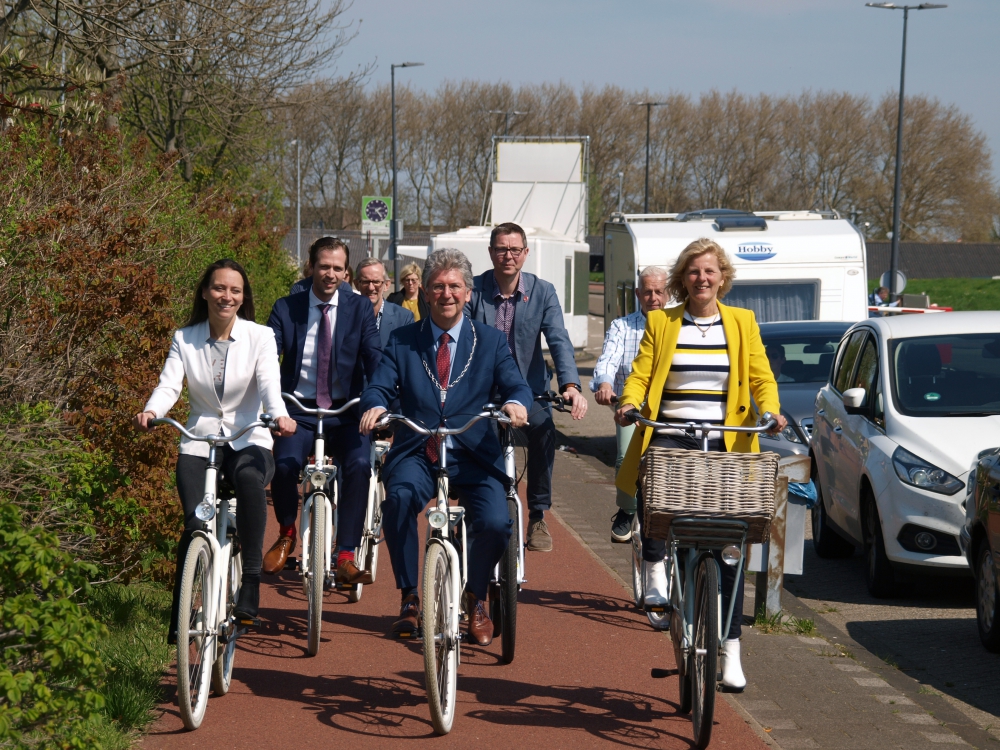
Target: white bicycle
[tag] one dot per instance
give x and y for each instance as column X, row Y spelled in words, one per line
column 445, row 574
column 210, row 582
column 319, row 519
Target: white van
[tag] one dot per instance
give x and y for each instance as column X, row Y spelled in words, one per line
column 790, row 265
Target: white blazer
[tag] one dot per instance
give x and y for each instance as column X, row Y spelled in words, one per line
column 252, row 375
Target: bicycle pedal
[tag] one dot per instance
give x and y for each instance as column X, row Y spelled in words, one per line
column 662, row 609
column 249, row 623
column 292, row 563
column 410, row 636
column 659, row 674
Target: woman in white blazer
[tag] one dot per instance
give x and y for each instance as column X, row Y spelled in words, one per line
column 231, row 367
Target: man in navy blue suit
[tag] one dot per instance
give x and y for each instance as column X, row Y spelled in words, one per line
column 444, row 369
column 328, row 337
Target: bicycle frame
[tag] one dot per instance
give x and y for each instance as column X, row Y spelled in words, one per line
column 510, row 469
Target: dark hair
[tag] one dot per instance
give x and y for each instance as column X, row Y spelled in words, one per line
column 505, row 229
column 327, row 243
column 199, row 310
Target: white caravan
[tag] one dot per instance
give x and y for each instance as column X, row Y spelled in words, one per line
column 790, row 265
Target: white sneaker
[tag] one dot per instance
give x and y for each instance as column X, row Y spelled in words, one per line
column 733, row 680
column 654, row 583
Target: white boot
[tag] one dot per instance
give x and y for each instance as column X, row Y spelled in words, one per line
column 733, row 680
column 654, row 583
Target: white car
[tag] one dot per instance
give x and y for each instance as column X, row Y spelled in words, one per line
column 911, row 402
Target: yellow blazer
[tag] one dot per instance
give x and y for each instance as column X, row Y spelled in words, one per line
column 749, row 373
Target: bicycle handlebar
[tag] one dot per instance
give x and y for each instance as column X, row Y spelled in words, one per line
column 767, row 422
column 320, row 412
column 557, row 401
column 264, row 421
column 489, row 412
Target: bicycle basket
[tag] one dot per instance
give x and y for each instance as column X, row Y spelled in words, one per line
column 732, row 486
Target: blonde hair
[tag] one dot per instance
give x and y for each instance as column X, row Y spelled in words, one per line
column 409, row 269
column 675, row 282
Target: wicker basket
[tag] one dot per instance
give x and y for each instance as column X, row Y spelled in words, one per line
column 737, row 486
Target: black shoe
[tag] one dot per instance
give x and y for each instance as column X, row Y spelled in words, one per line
column 248, row 601
column 621, row 527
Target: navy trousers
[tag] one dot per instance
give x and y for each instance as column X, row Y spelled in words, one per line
column 541, row 433
column 352, row 451
column 412, row 484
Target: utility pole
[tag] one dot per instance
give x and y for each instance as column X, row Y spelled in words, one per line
column 649, row 108
column 392, row 222
column 896, row 189
column 298, row 205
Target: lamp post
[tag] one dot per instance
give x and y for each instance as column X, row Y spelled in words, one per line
column 649, row 108
column 621, row 181
column 298, row 206
column 896, row 223
column 506, row 117
column 392, row 223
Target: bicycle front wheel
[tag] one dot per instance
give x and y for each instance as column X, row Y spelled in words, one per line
column 195, row 634
column 508, row 591
column 637, row 584
column 705, row 654
column 440, row 638
column 318, row 542
column 222, row 670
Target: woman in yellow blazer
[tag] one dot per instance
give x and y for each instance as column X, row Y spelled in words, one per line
column 698, row 361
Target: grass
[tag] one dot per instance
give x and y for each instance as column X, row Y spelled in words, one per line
column 960, row 294
column 781, row 623
column 597, row 277
column 135, row 653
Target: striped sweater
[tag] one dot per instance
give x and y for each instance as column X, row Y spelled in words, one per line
column 698, row 382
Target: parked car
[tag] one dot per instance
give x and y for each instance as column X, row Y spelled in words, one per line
column 911, row 402
column 980, row 541
column 801, row 356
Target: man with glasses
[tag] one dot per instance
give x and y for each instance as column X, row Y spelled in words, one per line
column 523, row 307
column 371, row 281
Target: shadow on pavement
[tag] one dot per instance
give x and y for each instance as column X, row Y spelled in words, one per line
column 595, row 607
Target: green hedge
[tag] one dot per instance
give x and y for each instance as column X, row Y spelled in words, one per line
column 959, row 294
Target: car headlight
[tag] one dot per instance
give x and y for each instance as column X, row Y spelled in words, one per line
column 917, row 472
column 788, row 433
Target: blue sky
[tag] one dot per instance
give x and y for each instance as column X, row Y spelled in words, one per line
column 770, row 46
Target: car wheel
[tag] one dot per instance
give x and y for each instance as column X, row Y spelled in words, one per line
column 827, row 542
column 987, row 614
column 879, row 574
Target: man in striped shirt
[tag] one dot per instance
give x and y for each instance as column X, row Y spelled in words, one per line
column 621, row 344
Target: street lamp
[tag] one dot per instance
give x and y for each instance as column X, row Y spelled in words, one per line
column 392, row 224
column 298, row 206
column 649, row 108
column 894, row 257
column 506, row 116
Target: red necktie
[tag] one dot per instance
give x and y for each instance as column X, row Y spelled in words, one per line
column 443, row 366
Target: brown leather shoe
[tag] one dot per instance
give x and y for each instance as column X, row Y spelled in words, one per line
column 348, row 574
column 539, row 539
column 480, row 624
column 409, row 618
column 277, row 556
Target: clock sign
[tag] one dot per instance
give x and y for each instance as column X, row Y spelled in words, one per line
column 377, row 210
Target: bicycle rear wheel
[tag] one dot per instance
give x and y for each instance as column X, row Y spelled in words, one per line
column 366, row 553
column 677, row 638
column 222, row 670
column 440, row 638
column 508, row 591
column 705, row 654
column 318, row 542
column 195, row 634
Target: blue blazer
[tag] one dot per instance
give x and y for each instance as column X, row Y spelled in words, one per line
column 356, row 351
column 537, row 313
column 401, row 375
column 393, row 317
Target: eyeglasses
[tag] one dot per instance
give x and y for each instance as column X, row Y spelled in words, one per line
column 371, row 282
column 411, row 280
column 439, row 289
column 514, row 252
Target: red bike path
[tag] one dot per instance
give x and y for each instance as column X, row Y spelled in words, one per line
column 580, row 678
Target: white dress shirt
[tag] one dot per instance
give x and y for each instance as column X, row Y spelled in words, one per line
column 306, row 387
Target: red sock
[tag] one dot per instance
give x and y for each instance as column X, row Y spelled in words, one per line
column 344, row 555
column 286, row 530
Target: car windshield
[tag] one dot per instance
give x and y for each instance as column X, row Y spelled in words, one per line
column 801, row 358
column 947, row 376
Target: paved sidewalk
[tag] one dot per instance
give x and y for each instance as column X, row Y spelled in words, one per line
column 824, row 691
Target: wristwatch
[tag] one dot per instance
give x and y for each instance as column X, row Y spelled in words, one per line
column 563, row 388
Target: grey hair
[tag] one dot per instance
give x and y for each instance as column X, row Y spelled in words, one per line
column 370, row 262
column 648, row 271
column 447, row 259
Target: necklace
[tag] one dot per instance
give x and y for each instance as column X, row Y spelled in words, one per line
column 706, row 329
column 443, row 389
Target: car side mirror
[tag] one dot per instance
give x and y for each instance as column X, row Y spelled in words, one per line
column 853, row 398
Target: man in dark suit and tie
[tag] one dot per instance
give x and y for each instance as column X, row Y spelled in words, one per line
column 443, row 370
column 371, row 280
column 329, row 343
